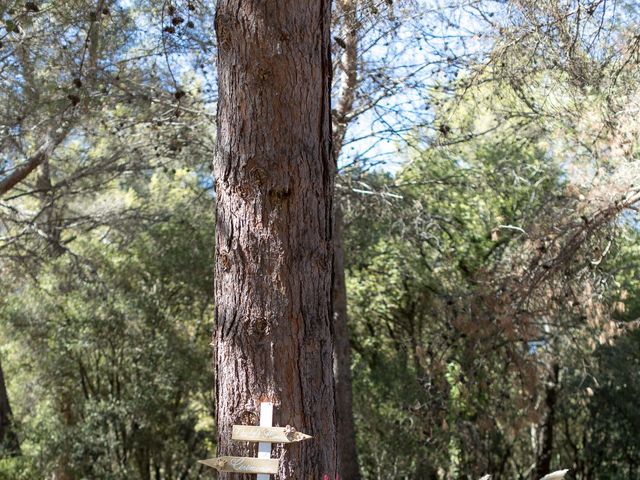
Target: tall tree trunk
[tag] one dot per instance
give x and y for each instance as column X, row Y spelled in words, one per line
column 347, row 453
column 545, row 429
column 274, row 174
column 9, row 444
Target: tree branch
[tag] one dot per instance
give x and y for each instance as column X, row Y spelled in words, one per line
column 23, row 171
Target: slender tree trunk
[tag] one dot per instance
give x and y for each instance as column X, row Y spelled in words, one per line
column 65, row 407
column 545, row 430
column 348, row 9
column 347, row 453
column 274, row 174
column 50, row 223
column 9, row 444
column 50, row 220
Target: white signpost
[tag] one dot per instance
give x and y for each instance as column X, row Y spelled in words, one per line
column 265, row 434
column 264, row 448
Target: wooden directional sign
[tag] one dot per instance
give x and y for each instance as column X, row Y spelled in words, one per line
column 250, row 433
column 244, row 464
column 265, row 435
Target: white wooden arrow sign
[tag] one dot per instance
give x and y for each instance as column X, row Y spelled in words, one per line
column 249, row 433
column 244, row 464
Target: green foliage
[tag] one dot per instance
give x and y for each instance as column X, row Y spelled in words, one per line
column 107, row 257
column 411, row 277
column 109, row 353
column 457, row 388
column 598, row 409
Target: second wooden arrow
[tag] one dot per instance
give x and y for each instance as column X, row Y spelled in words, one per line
column 243, row 464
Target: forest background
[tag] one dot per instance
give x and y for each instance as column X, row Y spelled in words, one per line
column 486, row 195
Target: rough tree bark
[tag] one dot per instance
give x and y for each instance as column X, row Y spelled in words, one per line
column 9, row 444
column 274, row 174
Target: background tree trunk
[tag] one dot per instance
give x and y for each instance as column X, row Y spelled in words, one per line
column 347, row 453
column 9, row 444
column 274, row 184
column 545, row 430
